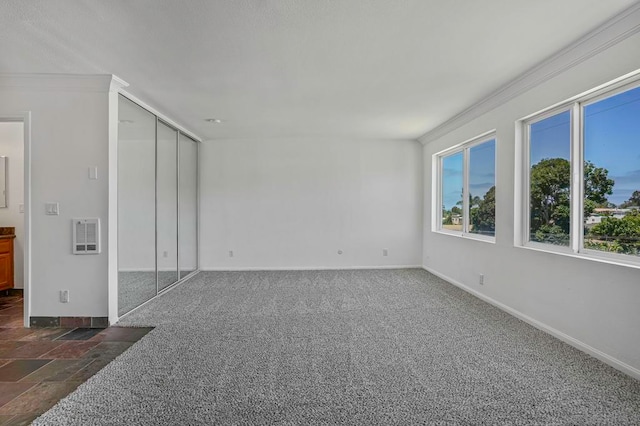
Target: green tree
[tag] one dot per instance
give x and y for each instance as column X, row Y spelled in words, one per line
column 446, row 216
column 597, row 186
column 616, row 235
column 550, row 197
column 633, row 201
column 483, row 215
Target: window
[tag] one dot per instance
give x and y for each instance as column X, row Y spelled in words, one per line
column 452, row 183
column 550, row 179
column 595, row 139
column 466, row 191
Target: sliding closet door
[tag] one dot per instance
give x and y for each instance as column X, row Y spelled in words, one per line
column 167, row 205
column 188, row 206
column 136, row 206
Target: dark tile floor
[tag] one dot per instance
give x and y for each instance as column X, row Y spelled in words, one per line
column 40, row 366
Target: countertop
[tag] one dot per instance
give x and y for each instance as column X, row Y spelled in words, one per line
column 7, row 232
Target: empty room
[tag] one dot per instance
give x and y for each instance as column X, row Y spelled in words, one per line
column 320, row 212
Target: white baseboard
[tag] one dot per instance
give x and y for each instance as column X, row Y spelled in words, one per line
column 607, row 359
column 137, row 270
column 303, row 268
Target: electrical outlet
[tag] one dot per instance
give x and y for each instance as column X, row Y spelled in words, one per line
column 385, row 252
column 481, row 279
column 230, row 253
column 64, row 296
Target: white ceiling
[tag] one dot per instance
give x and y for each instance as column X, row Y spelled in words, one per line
column 291, row 68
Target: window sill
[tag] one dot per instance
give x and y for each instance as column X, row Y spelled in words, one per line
column 466, row 236
column 590, row 255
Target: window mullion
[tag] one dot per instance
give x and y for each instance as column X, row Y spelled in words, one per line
column 526, row 186
column 465, row 192
column 439, row 183
column 577, row 181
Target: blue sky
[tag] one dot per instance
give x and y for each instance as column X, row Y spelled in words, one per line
column 612, row 140
column 452, row 180
column 481, row 173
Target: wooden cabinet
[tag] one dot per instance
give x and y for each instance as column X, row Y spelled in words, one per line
column 6, row 262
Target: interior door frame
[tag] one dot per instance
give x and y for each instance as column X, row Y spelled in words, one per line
column 25, row 118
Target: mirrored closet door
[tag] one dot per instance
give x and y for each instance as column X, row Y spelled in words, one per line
column 167, row 205
column 136, row 206
column 157, row 205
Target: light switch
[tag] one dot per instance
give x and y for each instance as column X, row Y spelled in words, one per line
column 52, row 209
column 93, row 172
column 21, row 208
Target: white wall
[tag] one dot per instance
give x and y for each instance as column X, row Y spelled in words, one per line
column 69, row 133
column 12, row 146
column 188, row 205
column 595, row 304
column 293, row 203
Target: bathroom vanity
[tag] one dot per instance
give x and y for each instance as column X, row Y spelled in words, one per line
column 7, row 235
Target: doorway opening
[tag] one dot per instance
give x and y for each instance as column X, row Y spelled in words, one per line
column 14, row 220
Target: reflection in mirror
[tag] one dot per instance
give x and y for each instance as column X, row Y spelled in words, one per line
column 188, row 205
column 3, row 181
column 167, row 207
column 136, row 206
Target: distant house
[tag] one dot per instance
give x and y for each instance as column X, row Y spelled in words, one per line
column 456, row 219
column 600, row 213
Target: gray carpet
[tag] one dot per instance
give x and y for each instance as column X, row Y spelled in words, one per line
column 349, row 347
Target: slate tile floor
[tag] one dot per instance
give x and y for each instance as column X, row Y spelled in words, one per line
column 40, row 366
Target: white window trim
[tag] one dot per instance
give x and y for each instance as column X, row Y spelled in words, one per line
column 437, row 160
column 576, row 106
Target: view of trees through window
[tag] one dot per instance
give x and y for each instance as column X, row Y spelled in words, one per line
column 452, row 183
column 482, row 188
column 611, row 204
column 550, row 179
column 481, row 178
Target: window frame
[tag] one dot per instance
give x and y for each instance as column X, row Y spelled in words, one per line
column 576, row 106
column 438, row 159
column 526, row 175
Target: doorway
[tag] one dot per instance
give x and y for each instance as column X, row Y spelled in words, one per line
column 14, row 208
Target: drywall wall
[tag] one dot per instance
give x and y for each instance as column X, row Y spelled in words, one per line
column 69, row 132
column 592, row 304
column 12, row 147
column 188, row 206
column 295, row 203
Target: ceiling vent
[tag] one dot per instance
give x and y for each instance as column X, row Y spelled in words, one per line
column 86, row 236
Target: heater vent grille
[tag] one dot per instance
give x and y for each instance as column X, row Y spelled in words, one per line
column 86, row 236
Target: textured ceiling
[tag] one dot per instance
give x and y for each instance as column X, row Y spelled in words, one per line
column 366, row 68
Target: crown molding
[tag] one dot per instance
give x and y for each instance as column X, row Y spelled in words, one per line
column 117, row 84
column 612, row 32
column 62, row 82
